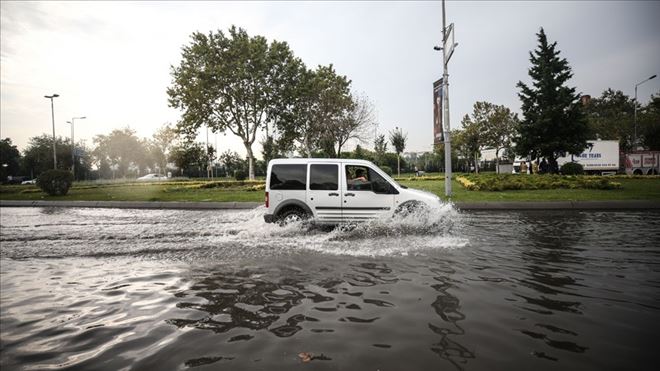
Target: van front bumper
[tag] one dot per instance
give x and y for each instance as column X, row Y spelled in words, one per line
column 269, row 218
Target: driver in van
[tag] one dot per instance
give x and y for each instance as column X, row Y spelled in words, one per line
column 359, row 176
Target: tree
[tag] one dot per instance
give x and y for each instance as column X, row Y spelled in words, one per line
column 611, row 117
column 354, row 123
column 190, row 158
column 398, row 140
column 10, row 159
column 501, row 125
column 162, row 142
column 649, row 123
column 321, row 99
column 121, row 150
column 470, row 141
column 232, row 82
column 554, row 123
column 231, row 162
column 38, row 156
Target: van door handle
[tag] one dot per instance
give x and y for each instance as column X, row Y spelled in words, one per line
column 349, row 194
column 333, row 194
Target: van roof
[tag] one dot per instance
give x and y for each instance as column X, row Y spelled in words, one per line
column 279, row 161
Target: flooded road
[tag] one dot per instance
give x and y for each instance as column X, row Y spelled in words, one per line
column 111, row 289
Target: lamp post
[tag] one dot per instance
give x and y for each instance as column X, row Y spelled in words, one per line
column 52, row 112
column 635, row 138
column 447, row 49
column 73, row 146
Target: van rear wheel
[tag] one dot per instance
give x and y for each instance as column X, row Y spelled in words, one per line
column 292, row 215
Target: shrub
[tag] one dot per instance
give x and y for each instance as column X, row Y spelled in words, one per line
column 387, row 170
column 572, row 168
column 503, row 182
column 55, row 182
column 240, row 175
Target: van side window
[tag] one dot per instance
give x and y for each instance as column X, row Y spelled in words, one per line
column 323, row 177
column 364, row 178
column 289, row 177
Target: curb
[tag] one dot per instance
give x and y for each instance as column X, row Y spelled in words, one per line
column 134, row 204
column 512, row 205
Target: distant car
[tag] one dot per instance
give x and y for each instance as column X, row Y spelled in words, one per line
column 31, row 181
column 151, row 178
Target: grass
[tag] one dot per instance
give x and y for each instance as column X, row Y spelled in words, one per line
column 632, row 188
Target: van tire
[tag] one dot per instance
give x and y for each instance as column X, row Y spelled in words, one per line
column 410, row 207
column 291, row 215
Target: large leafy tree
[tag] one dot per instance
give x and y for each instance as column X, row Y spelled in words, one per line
column 554, row 123
column 501, row 125
column 38, row 156
column 314, row 119
column 190, row 158
column 398, row 140
column 162, row 142
column 470, row 140
column 611, row 117
column 9, row 159
column 649, row 123
column 120, row 150
column 232, row 82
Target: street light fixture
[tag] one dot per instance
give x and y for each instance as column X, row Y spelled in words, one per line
column 52, row 112
column 73, row 145
column 635, row 138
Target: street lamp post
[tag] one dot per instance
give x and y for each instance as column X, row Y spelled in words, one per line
column 73, row 145
column 635, row 138
column 52, row 112
column 447, row 49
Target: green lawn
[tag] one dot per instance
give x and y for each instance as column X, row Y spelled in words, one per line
column 631, row 189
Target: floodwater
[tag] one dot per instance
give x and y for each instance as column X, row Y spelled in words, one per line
column 108, row 289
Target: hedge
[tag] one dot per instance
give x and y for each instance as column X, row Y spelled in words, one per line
column 504, row 182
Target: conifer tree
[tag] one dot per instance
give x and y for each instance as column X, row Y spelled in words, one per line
column 554, row 124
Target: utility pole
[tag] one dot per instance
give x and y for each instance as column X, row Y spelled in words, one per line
column 447, row 51
column 73, row 146
column 52, row 112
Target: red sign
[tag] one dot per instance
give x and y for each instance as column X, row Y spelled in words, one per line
column 438, row 136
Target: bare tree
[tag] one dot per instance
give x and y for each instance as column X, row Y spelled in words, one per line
column 355, row 123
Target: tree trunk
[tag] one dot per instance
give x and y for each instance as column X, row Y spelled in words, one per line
column 476, row 164
column 250, row 161
column 497, row 161
column 398, row 165
column 552, row 164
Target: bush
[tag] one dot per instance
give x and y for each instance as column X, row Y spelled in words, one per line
column 503, row 182
column 572, row 168
column 240, row 175
column 387, row 170
column 55, row 182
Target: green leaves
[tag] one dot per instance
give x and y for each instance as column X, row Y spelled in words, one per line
column 553, row 123
column 232, row 82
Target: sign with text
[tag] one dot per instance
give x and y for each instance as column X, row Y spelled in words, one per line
column 438, row 136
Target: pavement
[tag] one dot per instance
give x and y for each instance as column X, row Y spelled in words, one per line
column 510, row 205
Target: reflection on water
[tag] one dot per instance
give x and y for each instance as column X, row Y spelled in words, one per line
column 148, row 289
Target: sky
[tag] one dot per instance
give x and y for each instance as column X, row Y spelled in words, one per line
column 110, row 61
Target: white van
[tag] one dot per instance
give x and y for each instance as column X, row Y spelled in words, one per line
column 333, row 191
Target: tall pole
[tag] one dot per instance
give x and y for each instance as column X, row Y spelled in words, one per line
column 635, row 119
column 208, row 169
column 73, row 146
column 52, row 112
column 445, row 104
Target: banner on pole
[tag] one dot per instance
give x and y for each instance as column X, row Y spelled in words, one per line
column 438, row 136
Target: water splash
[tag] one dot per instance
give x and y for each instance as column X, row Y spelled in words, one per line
column 217, row 235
